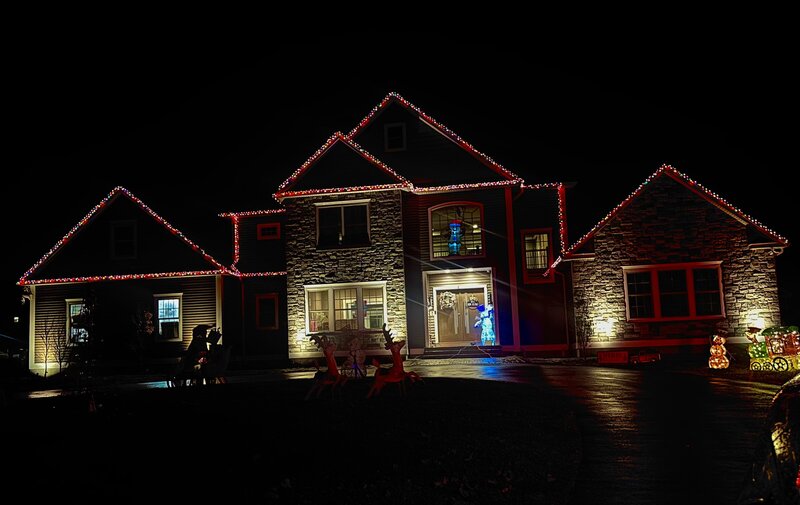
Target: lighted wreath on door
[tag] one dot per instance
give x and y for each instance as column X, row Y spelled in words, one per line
column 447, row 300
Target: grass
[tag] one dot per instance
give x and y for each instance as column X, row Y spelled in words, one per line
column 449, row 441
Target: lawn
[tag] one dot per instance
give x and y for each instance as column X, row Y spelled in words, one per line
column 449, row 441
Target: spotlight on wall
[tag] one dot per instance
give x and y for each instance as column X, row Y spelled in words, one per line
column 604, row 328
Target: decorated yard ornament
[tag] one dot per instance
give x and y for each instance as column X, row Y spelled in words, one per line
column 486, row 323
column 331, row 376
column 718, row 357
column 779, row 350
column 395, row 374
column 354, row 364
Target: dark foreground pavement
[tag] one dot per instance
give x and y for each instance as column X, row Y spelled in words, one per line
column 647, row 436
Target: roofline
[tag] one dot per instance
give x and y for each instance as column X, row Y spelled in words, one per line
column 119, row 190
column 124, row 277
column 251, row 213
column 690, row 184
column 333, row 139
column 439, row 127
column 329, row 191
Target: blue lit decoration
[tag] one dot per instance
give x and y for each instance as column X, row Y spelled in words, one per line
column 486, row 324
column 455, row 237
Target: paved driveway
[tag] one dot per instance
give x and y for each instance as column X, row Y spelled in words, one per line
column 650, row 435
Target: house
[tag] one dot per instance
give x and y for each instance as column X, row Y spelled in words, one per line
column 671, row 265
column 130, row 278
column 404, row 223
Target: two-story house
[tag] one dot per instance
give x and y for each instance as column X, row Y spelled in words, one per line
column 401, row 222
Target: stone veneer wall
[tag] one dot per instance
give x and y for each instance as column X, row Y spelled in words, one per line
column 383, row 261
column 668, row 223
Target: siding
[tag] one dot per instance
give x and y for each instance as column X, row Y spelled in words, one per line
column 118, row 302
column 51, row 314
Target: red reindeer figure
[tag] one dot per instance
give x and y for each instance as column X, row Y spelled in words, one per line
column 394, row 374
column 331, row 376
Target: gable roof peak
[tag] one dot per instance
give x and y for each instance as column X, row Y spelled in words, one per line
column 393, row 96
column 692, row 185
column 115, row 193
column 285, row 191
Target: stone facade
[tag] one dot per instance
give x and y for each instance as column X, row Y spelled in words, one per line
column 667, row 223
column 307, row 265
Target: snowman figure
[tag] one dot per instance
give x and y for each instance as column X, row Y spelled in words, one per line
column 486, row 323
column 718, row 357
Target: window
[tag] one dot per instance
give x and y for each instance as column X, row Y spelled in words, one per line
column 394, row 137
column 123, row 240
column 351, row 307
column 268, row 231
column 267, row 311
column 76, row 319
column 537, row 253
column 345, row 225
column 674, row 292
column 456, row 230
column 168, row 317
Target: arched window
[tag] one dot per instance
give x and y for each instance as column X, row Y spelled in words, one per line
column 456, row 230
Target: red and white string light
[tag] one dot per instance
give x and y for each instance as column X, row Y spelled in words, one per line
column 392, row 96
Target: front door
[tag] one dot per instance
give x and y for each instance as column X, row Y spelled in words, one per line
column 456, row 315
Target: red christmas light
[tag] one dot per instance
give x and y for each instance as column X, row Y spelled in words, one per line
column 689, row 183
column 114, row 193
column 235, row 220
column 252, row 213
column 122, row 277
column 447, row 132
column 339, row 137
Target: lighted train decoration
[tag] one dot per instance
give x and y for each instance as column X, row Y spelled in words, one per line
column 779, row 350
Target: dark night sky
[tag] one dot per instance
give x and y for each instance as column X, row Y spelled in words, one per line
column 197, row 130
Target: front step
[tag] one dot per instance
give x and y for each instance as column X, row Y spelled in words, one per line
column 469, row 351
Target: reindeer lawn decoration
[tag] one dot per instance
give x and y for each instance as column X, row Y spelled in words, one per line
column 331, row 377
column 394, row 374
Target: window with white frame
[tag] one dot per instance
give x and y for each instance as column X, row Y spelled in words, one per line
column 76, row 319
column 674, row 291
column 456, row 230
column 343, row 225
column 345, row 307
column 168, row 316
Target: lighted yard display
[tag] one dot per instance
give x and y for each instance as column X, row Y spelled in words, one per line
column 718, row 357
column 396, row 374
column 486, row 323
column 779, row 350
column 330, row 377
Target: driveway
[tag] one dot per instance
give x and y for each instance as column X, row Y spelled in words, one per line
column 650, row 435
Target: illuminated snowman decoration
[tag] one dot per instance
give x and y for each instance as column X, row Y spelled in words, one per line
column 486, row 323
column 718, row 357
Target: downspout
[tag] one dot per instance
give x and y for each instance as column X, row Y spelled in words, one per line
column 512, row 269
column 244, row 333
column 566, row 317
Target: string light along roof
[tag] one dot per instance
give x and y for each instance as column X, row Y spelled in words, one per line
column 252, row 213
column 691, row 184
column 115, row 193
column 439, row 127
column 285, row 192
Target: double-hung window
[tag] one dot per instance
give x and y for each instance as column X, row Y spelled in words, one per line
column 168, row 316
